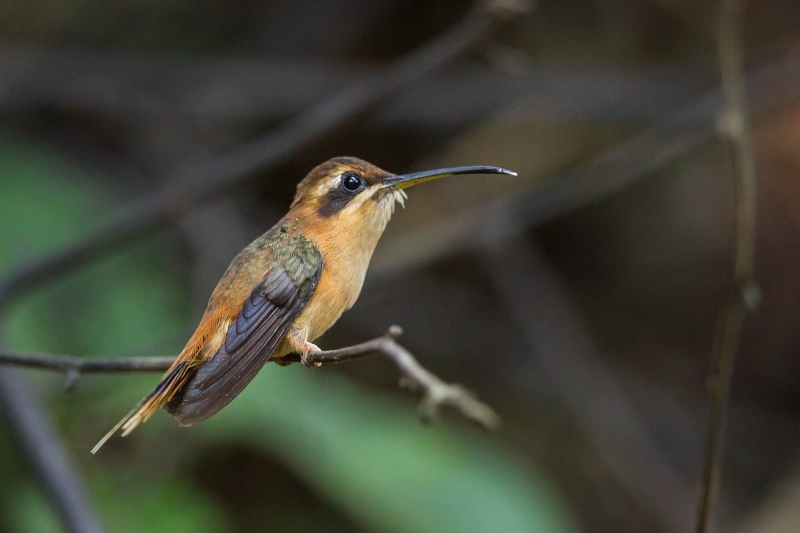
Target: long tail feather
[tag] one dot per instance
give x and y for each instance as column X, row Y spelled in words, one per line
column 117, row 426
column 173, row 380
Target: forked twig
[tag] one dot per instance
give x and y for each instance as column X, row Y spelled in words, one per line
column 437, row 393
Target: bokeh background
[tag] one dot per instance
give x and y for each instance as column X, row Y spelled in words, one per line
column 579, row 299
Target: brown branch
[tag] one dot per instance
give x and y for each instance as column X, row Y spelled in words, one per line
column 85, row 365
column 437, row 393
column 203, row 181
column 735, row 130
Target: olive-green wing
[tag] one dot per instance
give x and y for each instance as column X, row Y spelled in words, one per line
column 265, row 318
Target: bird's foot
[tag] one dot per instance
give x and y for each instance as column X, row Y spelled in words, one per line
column 309, row 347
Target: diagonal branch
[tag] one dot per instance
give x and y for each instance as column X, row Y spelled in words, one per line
column 436, row 393
column 277, row 89
column 744, row 295
column 42, row 448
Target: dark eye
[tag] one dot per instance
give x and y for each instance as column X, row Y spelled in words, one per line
column 352, row 182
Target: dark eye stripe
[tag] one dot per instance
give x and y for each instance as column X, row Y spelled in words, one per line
column 351, row 184
column 336, row 200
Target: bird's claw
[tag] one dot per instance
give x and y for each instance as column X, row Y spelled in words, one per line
column 307, row 349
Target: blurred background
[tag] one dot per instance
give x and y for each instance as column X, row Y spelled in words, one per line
column 579, row 299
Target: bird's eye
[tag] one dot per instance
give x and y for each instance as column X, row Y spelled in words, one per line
column 351, row 182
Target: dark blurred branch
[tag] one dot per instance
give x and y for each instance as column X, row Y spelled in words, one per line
column 201, row 182
column 41, row 446
column 735, row 132
column 437, row 393
column 562, row 353
column 33, row 78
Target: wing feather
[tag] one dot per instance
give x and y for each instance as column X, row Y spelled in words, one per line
column 194, row 392
column 266, row 316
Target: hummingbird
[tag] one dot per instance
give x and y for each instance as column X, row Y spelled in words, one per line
column 284, row 289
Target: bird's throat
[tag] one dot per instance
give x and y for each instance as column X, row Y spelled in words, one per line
column 346, row 242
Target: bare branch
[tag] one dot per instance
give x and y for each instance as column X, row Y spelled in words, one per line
column 735, row 131
column 437, row 393
column 85, row 365
column 415, row 376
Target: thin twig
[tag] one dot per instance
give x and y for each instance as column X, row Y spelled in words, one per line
column 74, row 367
column 744, row 295
column 86, row 365
column 203, row 181
column 437, row 393
column 415, row 376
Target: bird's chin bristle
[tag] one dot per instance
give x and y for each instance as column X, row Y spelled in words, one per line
column 399, row 197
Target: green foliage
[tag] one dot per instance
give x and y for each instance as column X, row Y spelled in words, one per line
column 124, row 508
column 125, row 301
column 164, row 507
column 27, row 510
column 369, row 453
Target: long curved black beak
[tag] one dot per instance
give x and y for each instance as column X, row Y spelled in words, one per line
column 407, row 180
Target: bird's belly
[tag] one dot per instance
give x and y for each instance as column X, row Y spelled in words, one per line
column 330, row 299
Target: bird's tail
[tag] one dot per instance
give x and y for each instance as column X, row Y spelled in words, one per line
column 173, row 381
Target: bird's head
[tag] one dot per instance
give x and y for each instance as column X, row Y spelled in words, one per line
column 348, row 190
